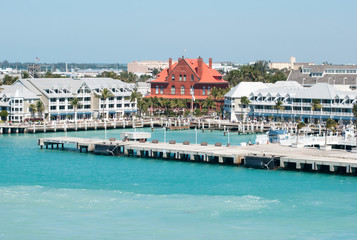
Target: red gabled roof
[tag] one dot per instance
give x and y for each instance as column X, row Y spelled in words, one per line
column 208, row 75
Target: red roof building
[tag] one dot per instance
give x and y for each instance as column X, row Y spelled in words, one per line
column 187, row 78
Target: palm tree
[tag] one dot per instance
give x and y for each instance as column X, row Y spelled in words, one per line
column 40, row 107
column 279, row 107
column 330, row 125
column 245, row 101
column 135, row 96
column 165, row 103
column 299, row 126
column 75, row 103
column 32, row 109
column 208, row 104
column 105, row 94
column 315, row 105
column 354, row 111
column 217, row 95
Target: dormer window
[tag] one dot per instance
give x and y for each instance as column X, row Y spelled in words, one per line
column 173, row 77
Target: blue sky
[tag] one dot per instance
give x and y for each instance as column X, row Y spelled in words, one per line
column 115, row 31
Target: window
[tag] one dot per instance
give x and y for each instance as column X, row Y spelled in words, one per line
column 69, row 107
column 182, row 90
column 53, row 107
column 204, row 91
column 162, row 89
column 61, row 107
column 184, row 78
column 53, row 99
column 111, row 105
column 192, row 78
column 118, row 98
column 208, row 90
column 87, row 99
column 180, row 77
column 173, row 90
column 118, row 105
column 173, row 77
column 61, row 99
column 157, row 90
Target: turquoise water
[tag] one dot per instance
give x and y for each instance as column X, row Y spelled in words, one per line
column 53, row 194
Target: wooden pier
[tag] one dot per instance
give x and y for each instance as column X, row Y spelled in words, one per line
column 271, row 156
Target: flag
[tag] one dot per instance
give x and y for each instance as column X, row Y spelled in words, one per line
column 37, row 59
column 193, row 98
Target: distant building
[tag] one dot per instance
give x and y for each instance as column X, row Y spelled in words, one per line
column 336, row 101
column 144, row 67
column 187, row 79
column 291, row 65
column 309, row 75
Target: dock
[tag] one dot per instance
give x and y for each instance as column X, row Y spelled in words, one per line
column 271, row 156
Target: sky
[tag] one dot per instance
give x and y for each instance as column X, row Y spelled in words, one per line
column 116, row 31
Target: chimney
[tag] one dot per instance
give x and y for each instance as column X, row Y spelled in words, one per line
column 200, row 66
column 179, row 59
column 210, row 63
column 170, row 65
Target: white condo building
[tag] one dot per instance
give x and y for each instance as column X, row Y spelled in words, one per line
column 336, row 101
column 56, row 95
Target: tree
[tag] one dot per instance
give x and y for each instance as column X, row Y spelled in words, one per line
column 40, row 107
column 135, row 95
column 279, row 107
column 354, row 111
column 3, row 115
column 216, row 95
column 208, row 104
column 299, row 126
column 330, row 125
column 315, row 105
column 75, row 103
column 32, row 109
column 245, row 101
column 8, row 80
column 165, row 103
column 105, row 94
column 25, row 74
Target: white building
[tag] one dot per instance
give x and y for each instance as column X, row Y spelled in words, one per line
column 56, row 95
column 336, row 101
column 16, row 99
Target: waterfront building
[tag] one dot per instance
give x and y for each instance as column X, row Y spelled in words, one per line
column 309, row 75
column 336, row 101
column 56, row 95
column 16, row 100
column 187, row 79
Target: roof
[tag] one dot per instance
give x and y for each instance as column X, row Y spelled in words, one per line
column 332, row 78
column 17, row 90
column 293, row 89
column 209, row 75
column 40, row 85
column 244, row 89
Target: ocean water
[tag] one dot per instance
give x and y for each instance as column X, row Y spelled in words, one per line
column 54, row 194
